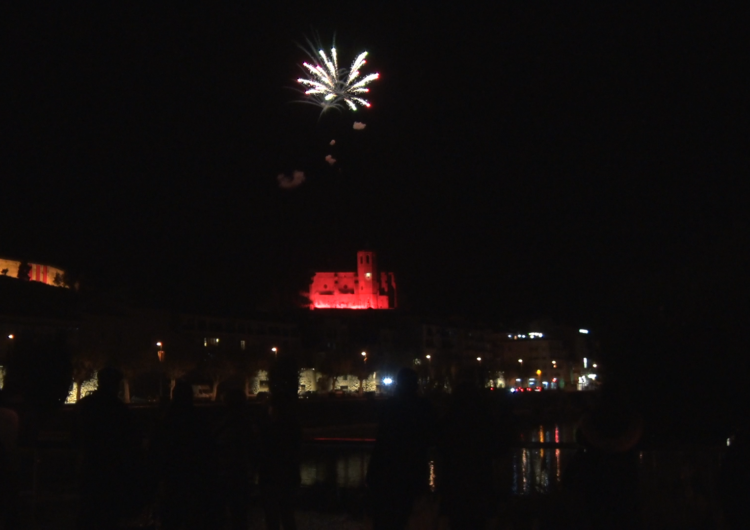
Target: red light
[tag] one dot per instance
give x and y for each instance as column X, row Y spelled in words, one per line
column 364, row 289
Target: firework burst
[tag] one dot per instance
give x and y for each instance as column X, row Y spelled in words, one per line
column 331, row 87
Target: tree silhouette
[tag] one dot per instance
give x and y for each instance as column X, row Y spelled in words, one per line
column 24, row 271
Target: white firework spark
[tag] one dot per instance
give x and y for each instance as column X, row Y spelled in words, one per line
column 331, row 87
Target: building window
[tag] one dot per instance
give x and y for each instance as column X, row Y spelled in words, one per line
column 242, row 344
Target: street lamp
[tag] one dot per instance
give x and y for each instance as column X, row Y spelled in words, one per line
column 11, row 336
column 428, row 357
column 479, row 359
column 275, row 350
column 364, row 354
column 160, row 355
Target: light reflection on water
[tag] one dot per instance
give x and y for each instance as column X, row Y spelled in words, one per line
column 533, row 470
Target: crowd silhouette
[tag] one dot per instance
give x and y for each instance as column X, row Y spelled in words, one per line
column 188, row 473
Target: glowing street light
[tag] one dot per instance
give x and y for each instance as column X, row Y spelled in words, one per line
column 11, row 336
column 479, row 359
column 275, row 350
column 160, row 355
column 428, row 357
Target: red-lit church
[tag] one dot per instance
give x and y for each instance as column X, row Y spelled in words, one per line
column 364, row 289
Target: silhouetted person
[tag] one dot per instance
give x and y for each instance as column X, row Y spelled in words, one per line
column 184, row 456
column 108, row 454
column 280, row 444
column 467, row 438
column 734, row 491
column 236, row 447
column 9, row 493
column 601, row 480
column 399, row 467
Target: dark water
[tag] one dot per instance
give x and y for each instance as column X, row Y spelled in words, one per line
column 524, row 471
column 540, row 470
column 678, row 485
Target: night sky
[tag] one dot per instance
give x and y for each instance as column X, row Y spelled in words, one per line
column 578, row 162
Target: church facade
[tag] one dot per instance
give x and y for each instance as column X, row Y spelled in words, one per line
column 367, row 288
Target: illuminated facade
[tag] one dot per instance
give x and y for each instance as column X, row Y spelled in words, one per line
column 37, row 273
column 364, row 289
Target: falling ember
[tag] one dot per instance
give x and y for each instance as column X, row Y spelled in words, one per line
column 287, row 182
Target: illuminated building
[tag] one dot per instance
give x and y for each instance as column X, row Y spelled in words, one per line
column 37, row 272
column 364, row 289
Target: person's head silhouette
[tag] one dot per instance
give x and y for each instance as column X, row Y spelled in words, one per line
column 182, row 395
column 234, row 398
column 109, row 380
column 407, row 383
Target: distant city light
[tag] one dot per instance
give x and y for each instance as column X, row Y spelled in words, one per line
column 428, row 356
column 585, row 362
column 594, row 365
column 159, row 344
column 584, row 331
column 536, row 334
column 479, row 359
column 512, row 389
column 11, row 336
column 510, row 336
column 387, row 381
column 364, row 354
column 520, row 360
column 592, row 376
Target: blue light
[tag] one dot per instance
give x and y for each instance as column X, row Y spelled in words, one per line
column 387, row 381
